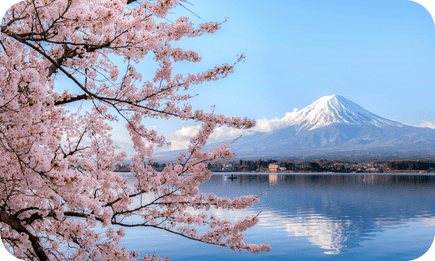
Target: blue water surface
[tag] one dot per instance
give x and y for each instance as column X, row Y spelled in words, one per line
column 315, row 217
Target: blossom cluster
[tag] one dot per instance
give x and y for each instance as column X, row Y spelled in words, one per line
column 57, row 179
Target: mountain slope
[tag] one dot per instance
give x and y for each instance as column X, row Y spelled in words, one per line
column 335, row 127
column 340, row 140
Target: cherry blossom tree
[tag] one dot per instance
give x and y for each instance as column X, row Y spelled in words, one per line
column 57, row 179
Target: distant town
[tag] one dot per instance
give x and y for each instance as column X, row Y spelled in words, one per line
column 271, row 165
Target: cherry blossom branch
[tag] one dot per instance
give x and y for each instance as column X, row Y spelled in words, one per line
column 13, row 222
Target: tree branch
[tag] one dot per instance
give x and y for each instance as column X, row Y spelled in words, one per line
column 72, row 99
column 131, row 1
column 16, row 225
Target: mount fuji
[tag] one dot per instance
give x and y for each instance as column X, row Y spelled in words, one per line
column 334, row 127
column 335, row 109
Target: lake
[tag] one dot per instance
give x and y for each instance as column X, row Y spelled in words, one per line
column 315, row 216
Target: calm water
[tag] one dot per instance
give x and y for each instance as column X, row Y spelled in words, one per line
column 316, row 217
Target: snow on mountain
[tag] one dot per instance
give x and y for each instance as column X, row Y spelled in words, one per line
column 335, row 109
column 334, row 127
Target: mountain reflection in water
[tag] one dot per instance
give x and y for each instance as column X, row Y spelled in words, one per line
column 319, row 217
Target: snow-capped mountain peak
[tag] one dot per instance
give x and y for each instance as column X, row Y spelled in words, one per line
column 333, row 127
column 335, row 109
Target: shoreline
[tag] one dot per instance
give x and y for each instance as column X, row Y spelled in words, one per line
column 314, row 172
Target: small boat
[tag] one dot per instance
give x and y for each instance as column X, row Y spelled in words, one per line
column 230, row 177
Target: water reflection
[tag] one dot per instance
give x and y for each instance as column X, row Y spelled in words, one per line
column 309, row 216
column 273, row 179
column 334, row 212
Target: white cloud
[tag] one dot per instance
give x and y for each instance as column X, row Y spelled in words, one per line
column 181, row 138
column 265, row 125
column 427, row 124
column 224, row 133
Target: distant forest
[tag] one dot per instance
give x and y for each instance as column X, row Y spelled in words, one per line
column 324, row 165
column 411, row 165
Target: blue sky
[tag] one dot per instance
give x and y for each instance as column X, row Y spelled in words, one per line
column 379, row 54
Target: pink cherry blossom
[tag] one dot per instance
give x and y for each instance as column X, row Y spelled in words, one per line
column 57, row 179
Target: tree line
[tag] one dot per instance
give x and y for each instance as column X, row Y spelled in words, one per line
column 411, row 165
column 323, row 165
